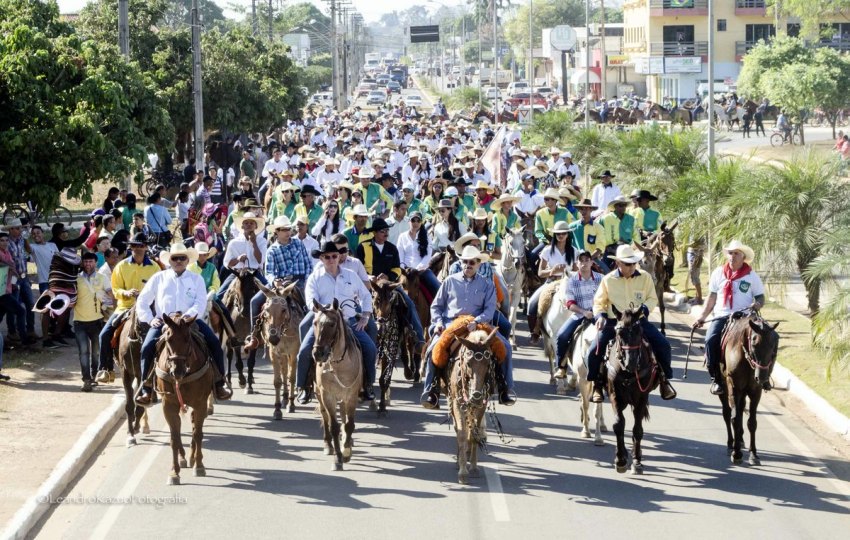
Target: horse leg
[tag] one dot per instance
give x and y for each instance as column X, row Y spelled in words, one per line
column 278, row 415
column 210, row 407
column 335, row 434
column 326, row 425
column 600, row 425
column 252, row 360
column 637, row 433
column 462, row 447
column 172, row 417
column 738, row 424
column 348, row 408
column 229, row 366
column 584, row 406
column 196, row 458
column 727, row 419
column 661, row 309
column 239, row 367
column 752, row 424
column 384, row 366
column 475, row 438
column 290, row 375
column 621, row 461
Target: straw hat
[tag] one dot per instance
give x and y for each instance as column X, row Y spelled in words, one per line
column 585, row 203
column 204, row 249
column 480, row 213
column 617, row 200
column 552, row 193
column 535, row 172
column 471, row 252
column 736, row 245
column 484, row 185
column 627, row 254
column 178, row 249
column 465, row 239
column 561, row 227
column 361, row 210
column 249, row 216
column 280, row 222
column 497, row 204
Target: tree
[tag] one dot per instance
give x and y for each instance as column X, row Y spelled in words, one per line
column 179, row 13
column 72, row 111
column 545, row 14
column 813, row 13
column 832, row 325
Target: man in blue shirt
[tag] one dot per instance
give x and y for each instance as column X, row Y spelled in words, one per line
column 158, row 219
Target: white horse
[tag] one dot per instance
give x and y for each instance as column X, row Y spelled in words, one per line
column 554, row 318
column 724, row 119
column 512, row 268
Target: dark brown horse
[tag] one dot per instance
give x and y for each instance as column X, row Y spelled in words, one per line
column 184, row 378
column 632, row 375
column 128, row 356
column 658, row 262
column 626, row 116
column 395, row 341
column 679, row 116
column 749, row 350
column 237, row 301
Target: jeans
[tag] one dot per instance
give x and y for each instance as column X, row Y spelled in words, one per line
column 107, row 362
column 413, row 318
column 598, row 349
column 24, row 297
column 503, row 324
column 86, row 334
column 533, row 303
column 153, row 335
column 430, row 280
column 506, row 367
column 305, row 355
column 713, row 337
column 307, row 323
column 10, row 305
column 43, row 287
column 565, row 336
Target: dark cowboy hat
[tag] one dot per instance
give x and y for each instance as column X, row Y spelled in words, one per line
column 378, row 224
column 309, row 190
column 139, row 239
column 585, row 203
column 642, row 194
column 327, row 247
column 608, row 174
column 458, row 181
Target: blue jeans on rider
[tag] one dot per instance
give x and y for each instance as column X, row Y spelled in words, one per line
column 107, row 362
column 599, row 348
column 565, row 336
column 430, row 280
column 600, row 262
column 305, row 355
column 307, row 323
column 153, row 335
column 713, row 336
column 414, row 318
column 503, row 324
column 506, row 366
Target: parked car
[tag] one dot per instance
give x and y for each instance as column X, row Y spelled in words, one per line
column 491, row 93
column 518, row 86
column 523, row 98
column 382, row 80
column 394, row 87
column 413, row 100
column 545, row 91
column 376, row 97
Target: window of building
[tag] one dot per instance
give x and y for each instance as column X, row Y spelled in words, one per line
column 793, row 29
column 721, row 25
column 757, row 32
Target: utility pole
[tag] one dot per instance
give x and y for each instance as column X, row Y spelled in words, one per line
column 602, row 55
column 271, row 22
column 197, row 86
column 530, row 74
column 480, row 65
column 463, row 49
column 124, row 28
column 334, row 66
column 710, row 83
column 495, row 60
column 586, row 71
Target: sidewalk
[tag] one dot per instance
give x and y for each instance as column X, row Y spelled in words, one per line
column 43, row 414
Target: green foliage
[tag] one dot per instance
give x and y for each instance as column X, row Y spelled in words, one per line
column 764, row 58
column 544, row 14
column 464, row 97
column 316, row 76
column 813, row 13
column 552, row 128
column 832, row 325
column 323, row 60
column 73, row 112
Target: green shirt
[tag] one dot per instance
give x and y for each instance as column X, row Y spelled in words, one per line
column 544, row 220
column 246, row 167
column 619, row 230
column 355, row 238
column 502, row 223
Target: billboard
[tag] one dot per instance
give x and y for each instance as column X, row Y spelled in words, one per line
column 683, row 64
column 425, row 34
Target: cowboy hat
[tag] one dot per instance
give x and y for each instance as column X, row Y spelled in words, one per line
column 561, row 227
column 280, row 222
column 643, row 194
column 497, row 204
column 452, row 192
column 139, row 239
column 378, row 224
column 542, row 165
column 465, row 239
column 484, row 185
column 554, row 150
column 14, row 223
column 471, row 252
column 585, row 203
column 59, row 304
column 309, row 190
column 617, row 200
column 361, row 210
column 363, row 173
column 249, row 216
column 327, row 247
column 445, row 203
column 535, row 172
column 516, row 152
column 569, row 193
column 480, row 213
column 285, row 186
column 552, row 193
column 736, row 245
column 331, row 161
column 607, row 174
column 178, row 249
column 627, row 254
column 204, row 249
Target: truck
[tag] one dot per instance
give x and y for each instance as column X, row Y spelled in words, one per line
column 399, row 74
column 372, row 62
column 500, row 78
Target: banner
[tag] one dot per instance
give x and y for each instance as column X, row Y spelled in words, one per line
column 683, row 64
column 491, row 159
column 617, row 59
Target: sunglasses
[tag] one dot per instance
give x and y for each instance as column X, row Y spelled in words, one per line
column 331, row 257
column 473, row 262
column 179, row 258
column 627, row 264
column 334, row 206
column 444, row 209
column 279, row 229
column 415, row 220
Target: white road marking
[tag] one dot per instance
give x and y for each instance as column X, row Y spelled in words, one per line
column 801, row 447
column 497, row 496
column 108, row 520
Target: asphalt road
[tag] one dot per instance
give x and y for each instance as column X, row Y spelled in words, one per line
column 270, row 478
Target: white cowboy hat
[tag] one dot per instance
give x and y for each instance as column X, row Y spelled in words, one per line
column 617, row 200
column 569, row 193
column 59, row 304
column 552, row 193
column 332, row 161
column 178, row 249
column 736, row 245
column 480, row 213
column 204, row 249
column 465, row 239
column 364, row 173
column 287, row 186
column 497, row 204
column 628, row 255
column 471, row 252
column 249, row 216
column 361, row 210
column 535, row 172
column 554, row 150
column 561, row 227
column 14, row 222
column 483, row 185
column 280, row 222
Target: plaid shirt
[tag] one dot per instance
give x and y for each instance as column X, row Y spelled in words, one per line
column 576, row 290
column 19, row 255
column 289, row 260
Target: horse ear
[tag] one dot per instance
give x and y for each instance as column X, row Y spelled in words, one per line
column 775, row 325
column 755, row 326
column 189, row 319
column 673, row 226
column 289, row 288
column 463, row 342
column 617, row 312
column 317, row 307
column 265, row 290
column 166, row 318
column 336, row 304
column 492, row 336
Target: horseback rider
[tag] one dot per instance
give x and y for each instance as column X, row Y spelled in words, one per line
column 329, row 282
column 742, row 289
column 466, row 293
column 545, row 220
column 588, row 233
column 555, row 261
column 646, row 219
column 359, row 232
column 619, row 228
column 128, row 279
column 578, row 292
column 623, row 289
column 176, row 291
column 246, row 251
column 604, row 192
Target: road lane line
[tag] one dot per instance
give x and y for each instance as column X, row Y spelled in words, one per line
column 497, row 496
column 101, row 532
column 801, row 447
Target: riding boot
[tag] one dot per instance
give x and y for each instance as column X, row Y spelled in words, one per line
column 665, row 388
column 533, row 327
column 222, row 392
column 598, row 394
column 507, row 396
column 718, row 383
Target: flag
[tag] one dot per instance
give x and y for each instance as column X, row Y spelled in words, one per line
column 492, row 157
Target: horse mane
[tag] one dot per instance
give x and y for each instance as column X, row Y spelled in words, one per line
column 457, row 328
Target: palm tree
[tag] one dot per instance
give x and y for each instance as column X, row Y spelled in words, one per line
column 832, row 323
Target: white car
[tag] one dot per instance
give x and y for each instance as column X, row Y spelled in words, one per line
column 413, row 100
column 491, row 92
column 545, row 91
column 518, row 86
column 376, row 97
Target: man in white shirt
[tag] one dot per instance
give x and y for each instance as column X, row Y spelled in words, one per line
column 327, row 283
column 604, row 193
column 531, row 199
column 569, row 166
column 329, row 177
column 398, row 222
column 246, row 251
column 176, row 291
column 555, row 161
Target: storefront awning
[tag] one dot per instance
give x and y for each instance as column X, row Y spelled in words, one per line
column 578, row 77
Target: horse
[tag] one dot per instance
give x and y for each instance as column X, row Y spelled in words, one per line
column 415, row 290
column 658, row 262
column 339, row 378
column 441, row 262
column 626, row 116
column 723, row 118
column 471, row 379
column 128, row 356
column 749, row 348
column 394, row 337
column 238, row 301
column 632, row 375
column 279, row 322
column 184, row 378
column 680, row 115
column 513, row 269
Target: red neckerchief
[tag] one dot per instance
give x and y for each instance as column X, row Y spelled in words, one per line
column 732, row 275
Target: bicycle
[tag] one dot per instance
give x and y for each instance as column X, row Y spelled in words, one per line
column 780, row 137
column 30, row 214
column 169, row 179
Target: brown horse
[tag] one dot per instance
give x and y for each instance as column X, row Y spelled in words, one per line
column 626, row 116
column 658, row 262
column 279, row 322
column 237, row 301
column 128, row 356
column 184, row 378
column 414, row 288
column 471, row 380
column 395, row 340
column 680, row 115
column 749, row 350
column 632, row 375
column 339, row 378
column 441, row 262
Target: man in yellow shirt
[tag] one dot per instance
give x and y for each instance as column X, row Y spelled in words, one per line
column 622, row 289
column 128, row 279
column 88, row 318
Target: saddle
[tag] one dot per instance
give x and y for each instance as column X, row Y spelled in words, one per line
column 118, row 325
column 547, row 296
column 446, row 344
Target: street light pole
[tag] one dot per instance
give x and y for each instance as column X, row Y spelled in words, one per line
column 586, row 66
column 334, row 63
column 197, row 93
column 495, row 60
column 530, row 63
column 710, row 81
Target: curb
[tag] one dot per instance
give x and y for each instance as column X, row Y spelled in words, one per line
column 66, row 471
column 792, row 384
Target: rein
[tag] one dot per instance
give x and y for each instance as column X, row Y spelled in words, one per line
column 169, row 378
column 343, row 336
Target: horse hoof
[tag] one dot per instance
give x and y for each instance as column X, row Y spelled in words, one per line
column 131, row 442
column 329, row 451
column 637, row 468
column 737, row 460
column 621, row 468
column 146, row 430
column 291, row 408
column 373, row 405
column 754, row 461
column 599, row 442
column 382, row 414
column 249, row 390
column 462, row 479
column 183, row 463
column 200, row 471
column 278, row 415
column 173, row 480
column 585, row 434
column 346, row 455
column 553, row 381
column 210, row 411
column 337, row 466
column 242, row 382
column 728, row 451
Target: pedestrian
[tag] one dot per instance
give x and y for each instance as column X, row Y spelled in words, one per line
column 88, row 318
column 759, row 117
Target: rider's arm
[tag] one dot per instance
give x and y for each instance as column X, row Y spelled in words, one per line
column 600, row 301
column 146, row 298
column 649, row 294
column 709, row 307
column 364, row 296
column 119, row 289
column 758, row 302
column 539, row 229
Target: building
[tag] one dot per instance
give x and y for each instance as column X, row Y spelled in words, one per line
column 667, row 41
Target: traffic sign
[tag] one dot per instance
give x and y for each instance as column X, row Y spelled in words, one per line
column 523, row 116
column 425, row 34
column 562, row 37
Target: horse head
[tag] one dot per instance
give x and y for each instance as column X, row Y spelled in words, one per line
column 514, row 250
column 328, row 326
column 629, row 337
column 475, row 360
column 667, row 241
column 385, row 301
column 178, row 344
column 276, row 310
column 761, row 347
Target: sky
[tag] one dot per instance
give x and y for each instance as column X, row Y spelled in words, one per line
column 370, row 9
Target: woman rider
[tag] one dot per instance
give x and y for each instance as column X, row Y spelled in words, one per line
column 556, row 260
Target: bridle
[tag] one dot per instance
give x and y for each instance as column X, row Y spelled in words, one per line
column 468, row 356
